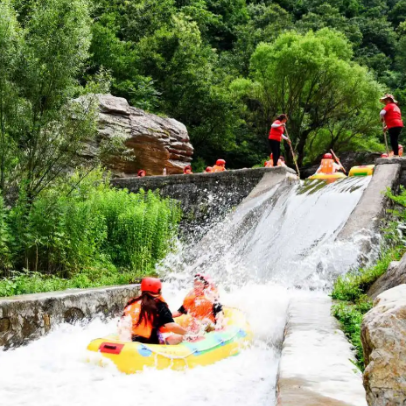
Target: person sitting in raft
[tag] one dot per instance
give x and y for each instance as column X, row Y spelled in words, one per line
column 269, row 164
column 220, row 166
column 202, row 303
column 187, row 170
column 209, row 169
column 150, row 314
column 141, row 173
column 328, row 166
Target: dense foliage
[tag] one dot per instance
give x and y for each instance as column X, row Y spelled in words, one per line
column 88, row 232
column 350, row 290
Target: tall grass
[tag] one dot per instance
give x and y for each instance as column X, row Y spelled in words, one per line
column 77, row 227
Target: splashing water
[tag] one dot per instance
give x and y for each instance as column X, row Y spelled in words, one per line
column 267, row 249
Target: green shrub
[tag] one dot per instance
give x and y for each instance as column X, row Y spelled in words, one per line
column 84, row 233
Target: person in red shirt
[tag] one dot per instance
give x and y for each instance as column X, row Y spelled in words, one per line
column 392, row 117
column 275, row 137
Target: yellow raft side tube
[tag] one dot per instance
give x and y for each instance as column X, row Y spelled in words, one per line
column 132, row 357
column 362, row 170
column 324, row 176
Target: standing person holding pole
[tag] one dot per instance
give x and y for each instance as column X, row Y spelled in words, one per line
column 275, row 137
column 392, row 117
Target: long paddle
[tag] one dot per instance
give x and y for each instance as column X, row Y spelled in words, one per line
column 338, row 161
column 386, row 139
column 292, row 152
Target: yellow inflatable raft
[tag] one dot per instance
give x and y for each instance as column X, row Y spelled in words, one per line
column 131, row 357
column 324, row 176
column 362, row 170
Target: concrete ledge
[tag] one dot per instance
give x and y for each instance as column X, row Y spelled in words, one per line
column 27, row 317
column 315, row 367
column 370, row 210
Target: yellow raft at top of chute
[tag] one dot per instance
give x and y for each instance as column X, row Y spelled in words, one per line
column 362, row 170
column 131, row 357
column 325, row 176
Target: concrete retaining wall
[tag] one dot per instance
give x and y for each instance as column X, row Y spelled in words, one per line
column 27, row 317
column 315, row 367
column 366, row 218
column 204, row 197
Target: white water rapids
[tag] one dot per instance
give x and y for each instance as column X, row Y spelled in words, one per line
column 277, row 246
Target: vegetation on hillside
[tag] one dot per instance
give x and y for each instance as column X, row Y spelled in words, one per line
column 223, row 68
column 350, row 290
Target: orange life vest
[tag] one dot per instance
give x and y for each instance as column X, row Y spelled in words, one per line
column 199, row 307
column 327, row 166
column 218, row 168
column 143, row 329
column 269, row 164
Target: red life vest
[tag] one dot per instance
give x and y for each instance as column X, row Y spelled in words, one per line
column 143, row 329
column 393, row 116
column 276, row 132
column 327, row 166
column 199, row 307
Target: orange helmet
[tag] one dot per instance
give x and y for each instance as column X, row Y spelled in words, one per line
column 220, row 162
column 327, row 156
column 151, row 285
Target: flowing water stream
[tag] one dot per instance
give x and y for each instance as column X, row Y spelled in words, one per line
column 273, row 248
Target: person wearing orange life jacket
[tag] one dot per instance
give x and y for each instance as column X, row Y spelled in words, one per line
column 187, row 170
column 220, row 166
column 328, row 166
column 269, row 164
column 201, row 303
column 149, row 315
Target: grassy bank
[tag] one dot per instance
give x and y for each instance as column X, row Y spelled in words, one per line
column 83, row 233
column 350, row 290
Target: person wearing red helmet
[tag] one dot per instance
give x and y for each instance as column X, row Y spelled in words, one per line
column 269, row 164
column 328, row 166
column 149, row 315
column 392, row 117
column 187, row 170
column 141, row 173
column 220, row 166
column 275, row 137
column 209, row 169
column 202, row 302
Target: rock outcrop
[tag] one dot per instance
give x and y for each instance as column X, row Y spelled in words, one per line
column 384, row 341
column 151, row 142
column 394, row 276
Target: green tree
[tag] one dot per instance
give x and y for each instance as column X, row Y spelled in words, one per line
column 10, row 45
column 48, row 128
column 312, row 79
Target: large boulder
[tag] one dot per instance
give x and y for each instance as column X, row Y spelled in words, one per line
column 150, row 142
column 394, row 276
column 383, row 338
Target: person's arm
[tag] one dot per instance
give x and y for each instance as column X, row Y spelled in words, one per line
column 382, row 114
column 286, row 138
column 179, row 312
column 274, row 125
column 175, row 328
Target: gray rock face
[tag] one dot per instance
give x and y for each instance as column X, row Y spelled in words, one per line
column 384, row 341
column 394, row 276
column 152, row 142
column 27, row 317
